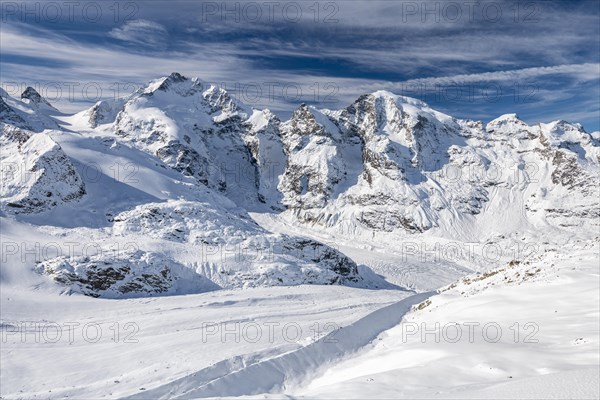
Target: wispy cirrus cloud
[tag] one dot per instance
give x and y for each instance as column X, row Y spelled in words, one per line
column 333, row 56
column 142, row 32
column 583, row 72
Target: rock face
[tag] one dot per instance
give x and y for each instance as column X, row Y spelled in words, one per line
column 36, row 173
column 103, row 112
column 32, row 97
column 263, row 139
column 132, row 274
column 422, row 169
column 314, row 163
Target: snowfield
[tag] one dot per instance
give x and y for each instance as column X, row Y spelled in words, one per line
column 529, row 330
column 177, row 243
column 151, row 343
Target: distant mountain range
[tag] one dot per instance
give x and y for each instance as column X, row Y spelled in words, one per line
column 181, row 163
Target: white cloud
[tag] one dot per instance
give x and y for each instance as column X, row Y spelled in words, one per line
column 93, row 65
column 226, row 63
column 584, row 72
column 142, row 32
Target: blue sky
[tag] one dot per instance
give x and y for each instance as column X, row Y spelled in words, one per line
column 476, row 59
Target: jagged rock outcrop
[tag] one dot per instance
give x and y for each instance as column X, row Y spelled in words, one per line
column 132, row 274
column 314, row 163
column 103, row 112
column 32, row 97
column 263, row 139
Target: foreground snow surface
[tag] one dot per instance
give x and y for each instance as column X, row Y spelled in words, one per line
column 552, row 353
column 284, row 341
column 167, row 338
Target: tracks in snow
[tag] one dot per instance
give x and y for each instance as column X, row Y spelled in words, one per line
column 250, row 375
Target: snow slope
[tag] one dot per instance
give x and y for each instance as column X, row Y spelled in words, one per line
column 105, row 348
column 528, row 330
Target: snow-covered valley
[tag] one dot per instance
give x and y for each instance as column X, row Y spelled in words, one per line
column 178, row 243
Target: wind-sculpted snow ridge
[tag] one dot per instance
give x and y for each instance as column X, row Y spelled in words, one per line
column 239, row 377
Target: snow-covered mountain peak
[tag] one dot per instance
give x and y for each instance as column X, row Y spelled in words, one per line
column 510, row 125
column 384, row 93
column 33, row 98
column 399, row 99
column 564, row 135
column 191, row 94
column 262, row 119
column 31, row 111
column 41, row 176
column 562, row 127
column 220, row 100
column 390, row 112
column 307, row 120
column 385, row 155
column 177, row 85
column 175, row 81
column 510, row 117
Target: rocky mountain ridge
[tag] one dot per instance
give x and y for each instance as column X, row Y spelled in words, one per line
column 385, row 164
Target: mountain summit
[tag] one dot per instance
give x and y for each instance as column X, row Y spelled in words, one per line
column 34, row 97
